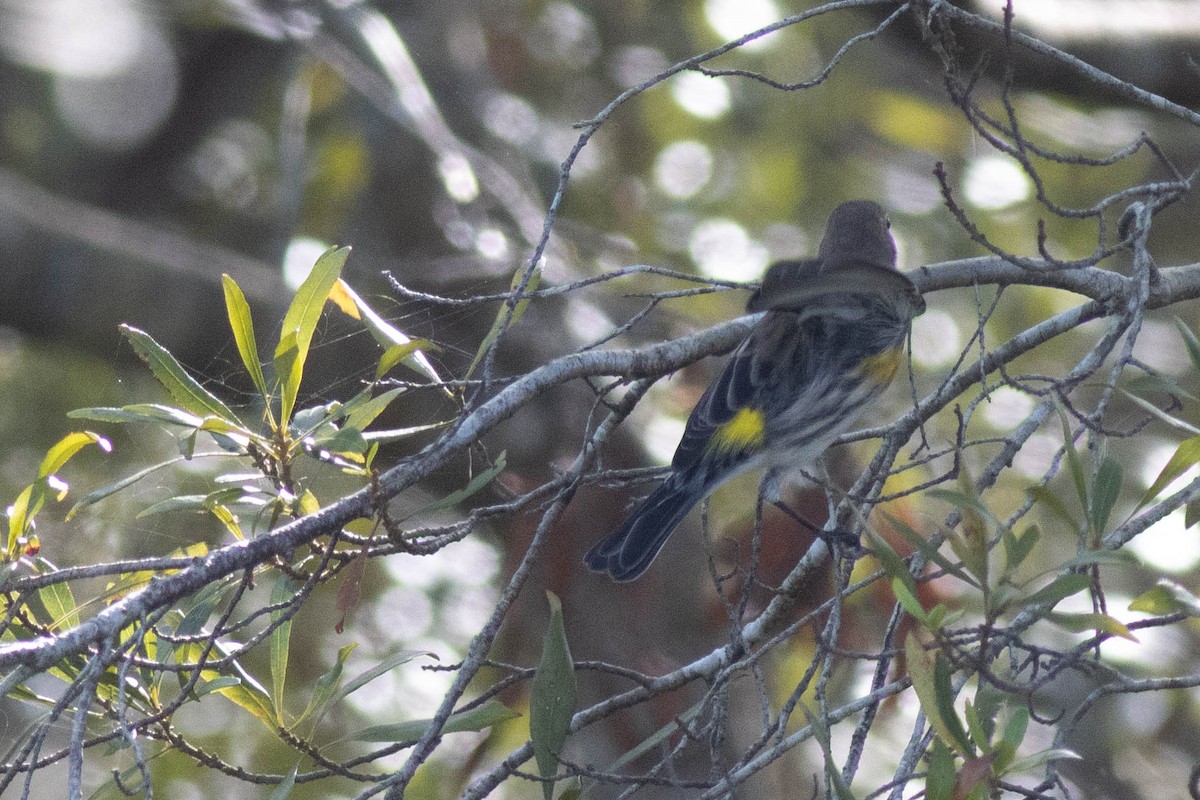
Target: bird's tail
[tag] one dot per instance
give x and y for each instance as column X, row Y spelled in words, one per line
column 627, row 552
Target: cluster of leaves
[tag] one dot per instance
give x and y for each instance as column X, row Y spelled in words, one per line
column 973, row 752
column 265, row 485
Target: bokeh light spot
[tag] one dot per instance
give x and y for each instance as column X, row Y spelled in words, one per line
column 683, row 168
column 722, row 249
column 700, row 95
column 995, row 182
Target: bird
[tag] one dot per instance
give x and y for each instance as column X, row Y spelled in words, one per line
column 830, row 340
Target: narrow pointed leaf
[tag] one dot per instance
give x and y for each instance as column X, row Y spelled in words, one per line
column 476, row 719
column 1059, row 589
column 1105, row 490
column 65, row 448
column 188, row 393
column 284, row 790
column 1173, row 421
column 1167, row 597
column 398, row 346
column 478, row 482
column 238, row 311
column 1101, row 623
column 300, row 323
column 551, row 697
column 282, row 592
column 1186, row 456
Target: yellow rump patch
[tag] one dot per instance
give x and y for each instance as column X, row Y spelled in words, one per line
column 745, row 431
column 882, row 367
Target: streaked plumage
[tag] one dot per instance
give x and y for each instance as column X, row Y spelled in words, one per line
column 830, row 341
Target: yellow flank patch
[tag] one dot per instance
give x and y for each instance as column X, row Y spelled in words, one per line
column 882, row 367
column 744, row 432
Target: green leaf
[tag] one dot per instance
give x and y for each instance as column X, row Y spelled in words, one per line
column 1190, row 341
column 382, row 668
column 238, row 311
column 551, row 697
column 1010, row 740
column 1017, row 549
column 60, row 604
column 1101, row 623
column 821, row 734
column 1105, row 490
column 188, row 393
column 477, row 483
column 1186, row 456
column 398, row 346
column 476, row 719
column 361, row 414
column 325, row 690
column 1059, row 589
column 1036, row 761
column 519, row 309
column 927, row 550
column 300, row 323
column 908, row 601
column 939, row 781
column 1044, row 496
column 1075, row 463
column 892, row 563
column 284, row 789
column 216, row 685
column 282, row 594
column 1191, row 514
column 112, row 488
column 1166, row 598
column 655, row 740
column 976, row 726
column 65, row 448
column 1173, row 421
column 931, row 683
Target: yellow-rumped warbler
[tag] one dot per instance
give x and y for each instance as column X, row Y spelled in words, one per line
column 830, row 341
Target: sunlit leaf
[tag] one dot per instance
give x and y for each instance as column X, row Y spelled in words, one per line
column 1186, row 456
column 360, row 413
column 238, row 312
column 1166, row 598
column 300, row 323
column 551, row 697
column 1101, row 623
column 65, row 448
column 388, row 336
column 59, row 602
column 183, row 387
